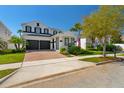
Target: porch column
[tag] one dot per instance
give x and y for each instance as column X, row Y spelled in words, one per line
column 51, row 44
column 61, row 41
column 54, row 44
column 39, row 44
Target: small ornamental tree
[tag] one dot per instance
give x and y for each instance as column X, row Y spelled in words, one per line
column 20, row 32
column 17, row 41
column 106, row 22
column 77, row 28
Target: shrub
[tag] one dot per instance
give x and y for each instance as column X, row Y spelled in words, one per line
column 9, row 51
column 6, row 51
column 99, row 48
column 89, row 46
column 75, row 50
column 86, row 51
column 92, row 49
column 110, row 47
column 64, row 51
column 18, row 50
column 118, row 48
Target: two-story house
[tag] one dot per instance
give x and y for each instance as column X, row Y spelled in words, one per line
column 5, row 34
column 41, row 37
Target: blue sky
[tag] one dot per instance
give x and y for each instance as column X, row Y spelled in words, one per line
column 62, row 17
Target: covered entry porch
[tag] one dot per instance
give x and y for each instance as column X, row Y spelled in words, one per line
column 62, row 40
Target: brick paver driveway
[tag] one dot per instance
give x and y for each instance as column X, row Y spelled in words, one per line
column 42, row 55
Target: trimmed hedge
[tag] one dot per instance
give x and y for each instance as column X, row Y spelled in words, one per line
column 75, row 50
column 9, row 51
column 64, row 51
column 109, row 47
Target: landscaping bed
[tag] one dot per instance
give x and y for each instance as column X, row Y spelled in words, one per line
column 6, row 72
column 11, row 58
column 100, row 59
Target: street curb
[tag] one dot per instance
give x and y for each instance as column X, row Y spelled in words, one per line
column 8, row 76
column 110, row 61
column 48, row 76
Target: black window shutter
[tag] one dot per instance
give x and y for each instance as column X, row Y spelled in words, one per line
column 30, row 29
column 26, row 28
column 35, row 29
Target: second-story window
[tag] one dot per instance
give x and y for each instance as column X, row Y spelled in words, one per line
column 54, row 32
column 28, row 28
column 46, row 30
column 37, row 30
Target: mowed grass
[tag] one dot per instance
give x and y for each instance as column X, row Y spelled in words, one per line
column 97, row 59
column 6, row 72
column 11, row 58
column 121, row 55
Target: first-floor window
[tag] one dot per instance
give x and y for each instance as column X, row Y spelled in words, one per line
column 72, row 40
column 66, row 41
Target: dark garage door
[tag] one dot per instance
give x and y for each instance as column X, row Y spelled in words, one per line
column 44, row 45
column 35, row 44
column 32, row 45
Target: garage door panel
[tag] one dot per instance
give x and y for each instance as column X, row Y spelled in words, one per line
column 44, row 45
column 36, row 45
column 32, row 45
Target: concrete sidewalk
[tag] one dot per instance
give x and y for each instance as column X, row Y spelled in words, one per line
column 43, row 70
column 42, row 62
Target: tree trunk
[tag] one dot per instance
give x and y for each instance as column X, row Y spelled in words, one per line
column 104, row 49
column 16, row 46
column 79, row 42
column 115, row 52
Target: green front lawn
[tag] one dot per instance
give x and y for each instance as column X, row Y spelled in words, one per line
column 91, row 52
column 11, row 58
column 6, row 72
column 121, row 55
column 97, row 59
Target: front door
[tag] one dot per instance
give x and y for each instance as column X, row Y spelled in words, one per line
column 57, row 43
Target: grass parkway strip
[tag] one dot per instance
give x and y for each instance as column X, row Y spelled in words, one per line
column 11, row 58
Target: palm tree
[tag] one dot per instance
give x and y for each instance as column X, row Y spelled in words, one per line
column 17, row 41
column 20, row 32
column 77, row 28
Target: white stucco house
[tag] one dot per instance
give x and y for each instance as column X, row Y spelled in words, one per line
column 5, row 34
column 41, row 37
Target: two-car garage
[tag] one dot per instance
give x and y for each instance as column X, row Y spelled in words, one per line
column 37, row 45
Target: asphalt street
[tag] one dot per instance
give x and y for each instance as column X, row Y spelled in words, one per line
column 103, row 76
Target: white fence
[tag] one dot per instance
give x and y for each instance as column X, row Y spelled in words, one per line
column 83, row 43
column 121, row 45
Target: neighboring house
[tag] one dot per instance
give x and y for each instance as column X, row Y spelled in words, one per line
column 122, row 37
column 5, row 34
column 39, row 37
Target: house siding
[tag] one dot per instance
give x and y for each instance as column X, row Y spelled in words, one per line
column 46, row 34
